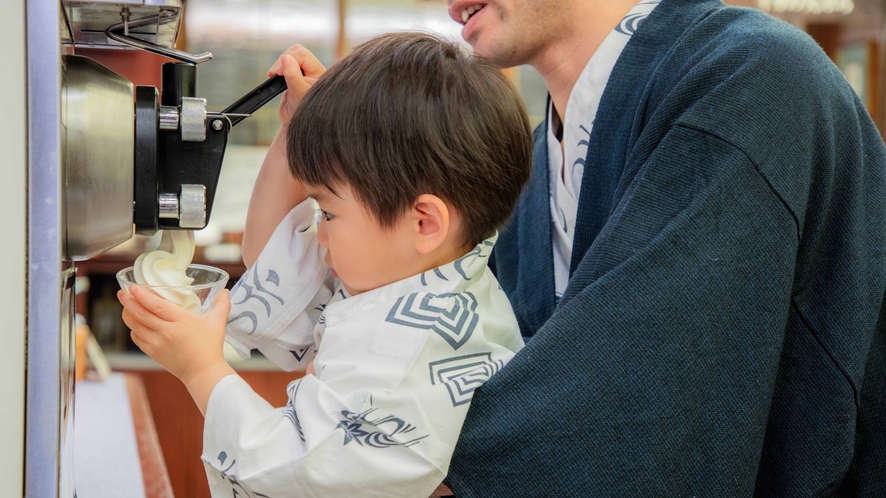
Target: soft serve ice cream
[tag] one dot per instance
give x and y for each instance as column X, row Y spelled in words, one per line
column 166, row 267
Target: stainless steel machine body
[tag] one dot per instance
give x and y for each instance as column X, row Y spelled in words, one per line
column 96, row 107
column 50, row 377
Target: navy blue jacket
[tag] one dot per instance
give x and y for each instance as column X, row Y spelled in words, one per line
column 723, row 332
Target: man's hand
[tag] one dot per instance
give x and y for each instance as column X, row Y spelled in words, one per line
column 300, row 69
column 182, row 342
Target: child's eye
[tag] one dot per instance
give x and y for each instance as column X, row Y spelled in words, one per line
column 326, row 215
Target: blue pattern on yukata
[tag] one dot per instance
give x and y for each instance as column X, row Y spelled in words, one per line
column 464, row 374
column 256, row 291
column 237, row 490
column 289, row 412
column 481, row 250
column 453, row 319
column 581, row 160
column 300, row 354
column 388, row 426
column 628, row 25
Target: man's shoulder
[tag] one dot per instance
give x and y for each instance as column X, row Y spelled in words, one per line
column 737, row 72
column 735, row 41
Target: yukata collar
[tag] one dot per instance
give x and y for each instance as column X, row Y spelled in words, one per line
column 451, row 278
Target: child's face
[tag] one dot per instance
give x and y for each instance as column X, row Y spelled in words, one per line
column 360, row 252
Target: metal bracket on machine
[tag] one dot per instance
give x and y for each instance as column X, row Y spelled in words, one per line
column 113, row 33
column 158, row 170
column 178, row 145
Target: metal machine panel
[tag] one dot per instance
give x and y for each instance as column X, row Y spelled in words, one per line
column 97, row 113
column 46, row 373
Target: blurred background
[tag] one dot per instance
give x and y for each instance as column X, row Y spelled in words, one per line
column 245, row 38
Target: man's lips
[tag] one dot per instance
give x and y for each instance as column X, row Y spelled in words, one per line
column 463, row 11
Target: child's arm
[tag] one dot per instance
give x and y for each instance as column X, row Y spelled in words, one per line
column 188, row 345
column 276, row 305
column 280, row 299
column 275, row 191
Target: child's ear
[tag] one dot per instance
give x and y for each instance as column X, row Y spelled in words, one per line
column 431, row 222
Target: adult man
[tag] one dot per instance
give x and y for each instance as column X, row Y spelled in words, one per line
column 701, row 274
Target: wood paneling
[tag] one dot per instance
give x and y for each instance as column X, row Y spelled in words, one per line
column 827, row 35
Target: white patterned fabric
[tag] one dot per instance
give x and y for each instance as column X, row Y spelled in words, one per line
column 396, row 369
column 566, row 165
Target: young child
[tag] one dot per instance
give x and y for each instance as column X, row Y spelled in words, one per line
column 415, row 152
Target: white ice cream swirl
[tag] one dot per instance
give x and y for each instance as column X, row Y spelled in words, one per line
column 166, row 267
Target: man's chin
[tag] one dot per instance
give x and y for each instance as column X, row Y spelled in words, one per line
column 501, row 60
column 486, row 50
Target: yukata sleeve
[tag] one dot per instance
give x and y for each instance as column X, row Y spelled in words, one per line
column 277, row 302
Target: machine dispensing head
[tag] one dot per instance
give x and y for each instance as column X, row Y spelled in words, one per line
column 162, row 152
column 179, row 147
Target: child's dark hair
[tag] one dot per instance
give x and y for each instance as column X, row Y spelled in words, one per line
column 407, row 114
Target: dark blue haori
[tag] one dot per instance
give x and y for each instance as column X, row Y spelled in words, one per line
column 723, row 331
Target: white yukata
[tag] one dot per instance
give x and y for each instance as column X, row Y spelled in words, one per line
column 566, row 165
column 396, row 370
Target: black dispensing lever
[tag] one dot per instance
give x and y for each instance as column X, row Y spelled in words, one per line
column 255, row 99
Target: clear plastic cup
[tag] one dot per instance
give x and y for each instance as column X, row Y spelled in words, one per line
column 207, row 282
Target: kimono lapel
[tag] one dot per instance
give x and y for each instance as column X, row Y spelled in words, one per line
column 535, row 286
column 620, row 118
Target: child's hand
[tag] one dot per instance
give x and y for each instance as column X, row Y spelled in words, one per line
column 184, row 343
column 301, row 70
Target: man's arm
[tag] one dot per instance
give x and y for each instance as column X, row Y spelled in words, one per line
column 658, row 367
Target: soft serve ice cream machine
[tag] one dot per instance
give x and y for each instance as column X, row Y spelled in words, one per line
column 166, row 148
column 106, row 159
